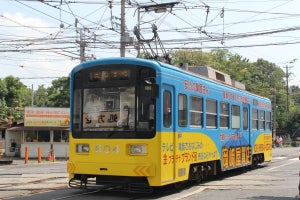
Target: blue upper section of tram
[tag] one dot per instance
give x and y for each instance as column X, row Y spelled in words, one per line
column 190, row 84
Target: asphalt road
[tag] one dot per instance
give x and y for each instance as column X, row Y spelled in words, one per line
column 276, row 180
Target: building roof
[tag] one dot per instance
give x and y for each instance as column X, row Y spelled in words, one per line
column 32, row 128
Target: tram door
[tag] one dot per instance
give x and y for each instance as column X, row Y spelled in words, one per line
column 245, row 150
column 168, row 139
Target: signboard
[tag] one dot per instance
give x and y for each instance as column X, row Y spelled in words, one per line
column 50, row 117
column 104, row 119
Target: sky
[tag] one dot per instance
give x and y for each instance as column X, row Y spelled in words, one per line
column 40, row 40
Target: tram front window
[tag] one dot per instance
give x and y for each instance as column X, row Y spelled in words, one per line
column 113, row 103
column 109, row 109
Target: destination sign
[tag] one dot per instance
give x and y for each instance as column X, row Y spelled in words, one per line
column 108, row 75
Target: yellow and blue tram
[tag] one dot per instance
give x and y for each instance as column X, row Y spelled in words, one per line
column 139, row 123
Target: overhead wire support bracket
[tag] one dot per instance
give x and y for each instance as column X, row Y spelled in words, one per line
column 162, row 7
column 157, row 8
column 155, row 39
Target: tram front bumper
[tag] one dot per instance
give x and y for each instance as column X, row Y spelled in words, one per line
column 113, row 169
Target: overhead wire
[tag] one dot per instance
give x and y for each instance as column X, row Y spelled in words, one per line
column 193, row 29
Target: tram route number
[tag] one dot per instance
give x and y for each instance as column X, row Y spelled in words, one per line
column 107, row 149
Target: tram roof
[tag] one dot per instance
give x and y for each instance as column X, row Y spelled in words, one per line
column 158, row 65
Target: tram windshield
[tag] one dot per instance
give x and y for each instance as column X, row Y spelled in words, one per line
column 111, row 110
column 107, row 109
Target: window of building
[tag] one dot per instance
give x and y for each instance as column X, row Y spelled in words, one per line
column 60, row 136
column 167, row 109
column 196, row 111
column 211, row 113
column 236, row 117
column 43, row 136
column 245, row 119
column 37, row 136
column 182, row 110
column 254, row 119
column 31, row 136
column 224, row 115
column 262, row 119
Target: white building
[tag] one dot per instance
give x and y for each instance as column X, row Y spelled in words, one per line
column 47, row 128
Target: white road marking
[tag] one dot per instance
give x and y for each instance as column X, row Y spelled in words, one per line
column 283, row 165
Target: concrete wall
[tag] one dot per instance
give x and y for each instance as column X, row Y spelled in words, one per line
column 10, row 137
column 61, row 150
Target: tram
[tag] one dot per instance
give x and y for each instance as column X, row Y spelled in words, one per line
column 138, row 124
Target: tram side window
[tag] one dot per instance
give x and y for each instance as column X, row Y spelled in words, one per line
column 167, row 112
column 211, row 113
column 245, row 119
column 262, row 119
column 196, row 111
column 235, row 117
column 268, row 120
column 182, row 110
column 224, row 115
column 254, row 119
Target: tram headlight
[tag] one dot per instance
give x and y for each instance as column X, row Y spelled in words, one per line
column 137, row 149
column 82, row 148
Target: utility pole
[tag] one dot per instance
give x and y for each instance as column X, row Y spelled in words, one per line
column 287, row 88
column 81, row 42
column 122, row 40
column 287, row 84
column 82, row 45
column 274, row 113
column 32, row 95
column 138, row 47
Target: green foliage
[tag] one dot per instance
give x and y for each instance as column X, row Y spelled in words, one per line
column 40, row 97
column 13, row 97
column 3, row 89
column 59, row 93
column 16, row 94
column 191, row 58
column 260, row 77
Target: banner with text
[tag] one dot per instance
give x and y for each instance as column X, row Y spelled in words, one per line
column 52, row 117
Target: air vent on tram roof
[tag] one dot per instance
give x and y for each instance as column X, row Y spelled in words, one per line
column 211, row 74
column 214, row 75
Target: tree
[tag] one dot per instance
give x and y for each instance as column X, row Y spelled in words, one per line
column 14, row 95
column 191, row 58
column 293, row 117
column 17, row 93
column 59, row 93
column 40, row 97
column 3, row 89
column 260, row 77
column 220, row 59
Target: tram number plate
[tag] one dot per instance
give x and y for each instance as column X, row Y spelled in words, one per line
column 107, row 149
